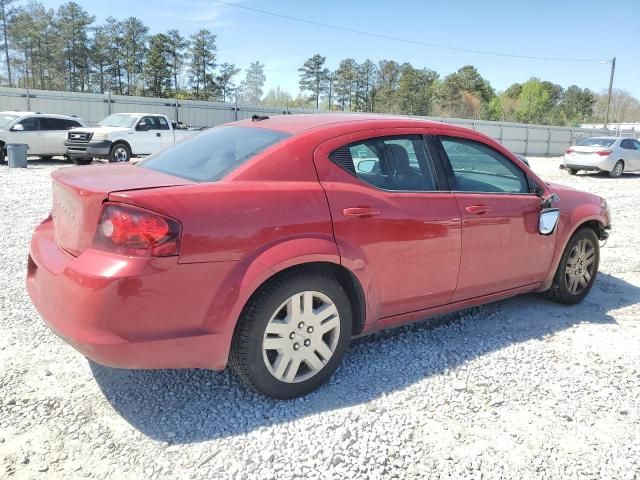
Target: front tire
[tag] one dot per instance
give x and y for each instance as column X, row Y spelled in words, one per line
column 120, row 152
column 577, row 269
column 82, row 161
column 292, row 334
column 617, row 170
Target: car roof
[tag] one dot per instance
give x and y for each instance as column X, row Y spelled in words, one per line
column 298, row 123
column 136, row 114
column 36, row 114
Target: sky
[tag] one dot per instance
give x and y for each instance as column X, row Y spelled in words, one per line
column 581, row 29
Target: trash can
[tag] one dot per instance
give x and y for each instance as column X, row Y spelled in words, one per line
column 17, row 153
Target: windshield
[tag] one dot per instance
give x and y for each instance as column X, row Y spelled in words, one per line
column 211, row 155
column 6, row 119
column 595, row 142
column 119, row 120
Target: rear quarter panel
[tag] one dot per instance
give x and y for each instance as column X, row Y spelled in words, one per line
column 255, row 228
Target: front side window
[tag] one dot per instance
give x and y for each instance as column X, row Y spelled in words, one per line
column 147, row 123
column 213, row 154
column 479, row 168
column 30, row 124
column 390, row 163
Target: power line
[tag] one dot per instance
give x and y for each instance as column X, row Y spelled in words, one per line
column 405, row 40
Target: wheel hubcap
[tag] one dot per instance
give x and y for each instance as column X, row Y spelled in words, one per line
column 301, row 337
column 120, row 154
column 618, row 169
column 580, row 265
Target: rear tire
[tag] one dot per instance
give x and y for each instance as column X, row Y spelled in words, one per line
column 578, row 268
column 617, row 170
column 120, row 152
column 82, row 161
column 306, row 317
column 571, row 171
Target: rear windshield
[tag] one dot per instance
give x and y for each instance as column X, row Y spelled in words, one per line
column 595, row 142
column 211, row 155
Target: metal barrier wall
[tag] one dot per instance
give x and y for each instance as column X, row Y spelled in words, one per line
column 92, row 107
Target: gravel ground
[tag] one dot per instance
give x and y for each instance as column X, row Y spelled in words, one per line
column 521, row 388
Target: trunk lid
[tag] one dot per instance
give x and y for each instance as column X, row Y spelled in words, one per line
column 78, row 194
column 588, row 149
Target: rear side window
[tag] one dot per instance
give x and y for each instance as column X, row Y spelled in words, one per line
column 391, row 163
column 479, row 168
column 48, row 123
column 627, row 144
column 213, row 154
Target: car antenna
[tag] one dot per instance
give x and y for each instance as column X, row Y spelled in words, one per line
column 259, row 118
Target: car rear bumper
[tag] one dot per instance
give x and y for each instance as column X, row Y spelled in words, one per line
column 95, row 149
column 594, row 165
column 125, row 312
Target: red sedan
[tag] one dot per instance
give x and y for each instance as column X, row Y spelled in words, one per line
column 269, row 243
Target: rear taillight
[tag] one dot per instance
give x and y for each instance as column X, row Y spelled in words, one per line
column 603, row 153
column 134, row 231
column 569, row 150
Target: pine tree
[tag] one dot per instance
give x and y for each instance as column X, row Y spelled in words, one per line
column 177, row 48
column 251, row 87
column 314, row 77
column 202, row 56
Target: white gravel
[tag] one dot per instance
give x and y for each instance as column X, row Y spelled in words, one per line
column 522, row 388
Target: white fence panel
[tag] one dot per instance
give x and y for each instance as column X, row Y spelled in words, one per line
column 92, row 107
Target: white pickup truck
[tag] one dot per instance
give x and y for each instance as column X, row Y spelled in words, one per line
column 123, row 135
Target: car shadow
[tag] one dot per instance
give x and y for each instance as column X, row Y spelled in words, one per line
column 186, row 406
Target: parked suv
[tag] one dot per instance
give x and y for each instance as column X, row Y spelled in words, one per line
column 44, row 133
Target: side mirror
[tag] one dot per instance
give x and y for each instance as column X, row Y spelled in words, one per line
column 366, row 166
column 18, row 127
column 548, row 220
column 143, row 127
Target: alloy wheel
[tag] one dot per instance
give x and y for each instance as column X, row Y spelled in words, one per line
column 301, row 337
column 617, row 170
column 120, row 154
column 580, row 265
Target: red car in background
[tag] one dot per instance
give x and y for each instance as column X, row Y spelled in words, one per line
column 269, row 243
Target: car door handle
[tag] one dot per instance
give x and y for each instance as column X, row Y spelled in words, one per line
column 158, row 134
column 362, row 212
column 478, row 209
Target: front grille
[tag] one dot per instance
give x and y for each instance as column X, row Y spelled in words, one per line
column 79, row 137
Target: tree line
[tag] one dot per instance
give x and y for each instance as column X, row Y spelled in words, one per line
column 65, row 49
column 390, row 87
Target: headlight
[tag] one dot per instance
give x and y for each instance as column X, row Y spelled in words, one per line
column 100, row 136
column 605, row 206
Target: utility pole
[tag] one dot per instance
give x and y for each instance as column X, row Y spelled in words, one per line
column 613, row 69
